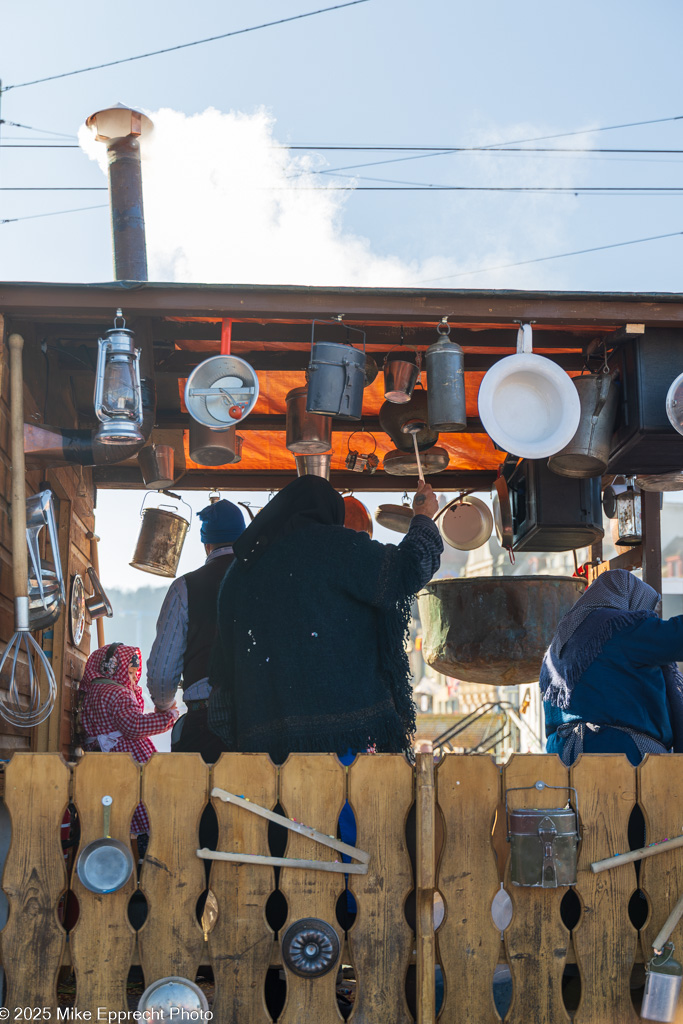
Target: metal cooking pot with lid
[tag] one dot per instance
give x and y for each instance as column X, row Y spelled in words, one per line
column 493, row 629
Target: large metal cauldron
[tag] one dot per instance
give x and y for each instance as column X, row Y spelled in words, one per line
column 493, row 629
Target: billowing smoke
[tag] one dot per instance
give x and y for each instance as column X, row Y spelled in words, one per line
column 225, row 202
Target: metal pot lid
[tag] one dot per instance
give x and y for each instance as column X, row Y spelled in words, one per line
column 674, row 404
column 105, row 865
column 173, row 993
column 396, row 463
column 394, row 517
column 310, row 947
column 466, row 525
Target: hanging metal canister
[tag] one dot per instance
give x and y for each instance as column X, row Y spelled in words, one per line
column 336, row 377
column 662, row 986
column 446, row 383
column 308, row 433
column 543, row 841
column 161, row 538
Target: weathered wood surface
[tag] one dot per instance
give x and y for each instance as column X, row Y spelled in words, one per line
column 33, row 940
column 468, row 794
column 605, row 941
column 103, row 918
column 660, row 793
column 241, row 942
column 174, row 791
column 425, row 887
column 312, row 790
column 536, row 940
column 380, row 790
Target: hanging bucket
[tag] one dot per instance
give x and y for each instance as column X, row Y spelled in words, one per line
column 214, row 447
column 161, row 539
column 307, row 432
column 336, row 377
column 400, row 376
column 543, row 841
column 662, row 986
column 156, row 466
column 587, row 454
column 313, row 465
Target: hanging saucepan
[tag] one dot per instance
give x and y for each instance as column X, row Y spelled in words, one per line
column 210, row 447
column 502, row 514
column 392, row 417
column 395, row 517
column 106, row 864
column 465, row 523
column 400, row 375
column 405, row 463
column 174, row 997
column 356, row 515
column 313, row 465
column 156, row 466
column 308, row 433
column 528, row 404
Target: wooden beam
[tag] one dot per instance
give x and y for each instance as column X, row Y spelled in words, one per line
column 232, row 479
column 268, row 422
column 652, row 539
column 51, row 301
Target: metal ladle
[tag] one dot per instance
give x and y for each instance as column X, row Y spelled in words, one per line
column 414, row 427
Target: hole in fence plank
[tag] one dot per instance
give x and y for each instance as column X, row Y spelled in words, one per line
column 411, row 988
column 68, row 910
column 571, row 987
column 502, row 989
column 570, row 909
column 275, row 991
column 137, row 910
column 638, row 908
column 637, row 986
column 276, row 910
column 346, row 990
column 345, row 910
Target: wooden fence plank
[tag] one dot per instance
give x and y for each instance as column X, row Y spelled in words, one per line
column 241, row 942
column 380, row 788
column 661, row 877
column 103, row 918
column 174, row 791
column 468, row 793
column 425, row 886
column 33, row 940
column 605, row 941
column 536, row 940
column 312, row 790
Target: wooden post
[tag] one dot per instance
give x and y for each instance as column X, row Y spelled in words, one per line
column 652, row 539
column 95, row 559
column 425, row 885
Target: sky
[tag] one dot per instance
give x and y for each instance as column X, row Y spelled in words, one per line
column 225, row 202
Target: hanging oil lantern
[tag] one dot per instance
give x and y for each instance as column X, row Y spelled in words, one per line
column 543, row 841
column 118, row 396
column 446, row 383
column 623, row 503
column 662, row 986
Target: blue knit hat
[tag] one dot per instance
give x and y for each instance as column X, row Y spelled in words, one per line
column 222, row 523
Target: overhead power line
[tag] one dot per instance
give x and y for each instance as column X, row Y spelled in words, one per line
column 53, row 213
column 43, row 131
column 543, row 259
column 184, row 46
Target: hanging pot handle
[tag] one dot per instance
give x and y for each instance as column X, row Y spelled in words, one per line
column 524, row 339
column 162, row 505
column 603, row 391
column 337, row 323
column 402, row 348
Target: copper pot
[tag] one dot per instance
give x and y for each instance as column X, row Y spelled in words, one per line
column 356, row 516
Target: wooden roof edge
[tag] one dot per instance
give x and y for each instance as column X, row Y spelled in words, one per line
column 34, row 299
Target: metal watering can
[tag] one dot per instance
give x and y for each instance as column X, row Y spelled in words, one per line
column 336, row 377
column 587, row 454
column 161, row 538
column 543, row 841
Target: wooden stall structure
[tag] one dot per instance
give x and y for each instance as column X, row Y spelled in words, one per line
column 390, row 950
column 178, row 326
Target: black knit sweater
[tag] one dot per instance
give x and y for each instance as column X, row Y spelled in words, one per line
column 310, row 655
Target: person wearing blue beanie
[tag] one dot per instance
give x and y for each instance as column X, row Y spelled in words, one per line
column 186, row 630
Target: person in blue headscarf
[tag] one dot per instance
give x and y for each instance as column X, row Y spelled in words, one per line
column 186, row 630
column 609, row 679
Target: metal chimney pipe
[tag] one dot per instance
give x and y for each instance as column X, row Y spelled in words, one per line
column 121, row 128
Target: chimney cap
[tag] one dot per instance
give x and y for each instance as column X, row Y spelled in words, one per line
column 118, row 122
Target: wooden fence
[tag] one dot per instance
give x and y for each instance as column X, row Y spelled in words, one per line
column 455, row 805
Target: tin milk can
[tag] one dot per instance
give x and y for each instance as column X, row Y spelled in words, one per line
column 161, row 538
column 446, row 383
column 662, row 986
column 543, row 841
column 587, row 454
column 336, row 378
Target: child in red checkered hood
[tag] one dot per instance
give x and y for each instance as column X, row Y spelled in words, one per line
column 112, row 714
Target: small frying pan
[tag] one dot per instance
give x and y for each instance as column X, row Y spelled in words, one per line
column 106, row 864
column 502, row 513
